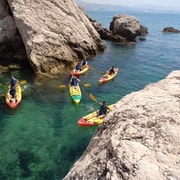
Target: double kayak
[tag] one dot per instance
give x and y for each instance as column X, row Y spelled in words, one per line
column 77, row 73
column 75, row 93
column 92, row 119
column 107, row 77
column 14, row 102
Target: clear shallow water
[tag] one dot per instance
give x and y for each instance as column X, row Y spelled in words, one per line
column 40, row 139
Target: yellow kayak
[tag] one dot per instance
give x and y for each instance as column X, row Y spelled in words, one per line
column 14, row 102
column 77, row 73
column 107, row 77
column 92, row 118
column 75, row 93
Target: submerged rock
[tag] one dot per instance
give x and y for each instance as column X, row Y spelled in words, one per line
column 139, row 138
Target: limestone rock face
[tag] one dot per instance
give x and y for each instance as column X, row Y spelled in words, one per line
column 55, row 33
column 139, row 139
column 127, row 26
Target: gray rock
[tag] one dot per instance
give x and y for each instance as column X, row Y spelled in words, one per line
column 55, row 33
column 11, row 45
column 139, row 139
column 127, row 26
column 3, row 9
column 171, row 30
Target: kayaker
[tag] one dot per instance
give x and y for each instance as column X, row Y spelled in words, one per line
column 13, row 81
column 74, row 81
column 12, row 92
column 78, row 67
column 112, row 70
column 103, row 109
column 84, row 63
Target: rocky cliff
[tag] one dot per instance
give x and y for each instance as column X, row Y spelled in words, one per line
column 55, row 33
column 140, row 137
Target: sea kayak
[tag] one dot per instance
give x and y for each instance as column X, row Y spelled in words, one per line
column 92, row 119
column 14, row 102
column 77, row 73
column 75, row 93
column 107, row 77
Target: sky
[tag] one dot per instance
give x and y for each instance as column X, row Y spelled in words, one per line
column 152, row 3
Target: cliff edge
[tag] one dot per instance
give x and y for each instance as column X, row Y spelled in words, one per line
column 140, row 137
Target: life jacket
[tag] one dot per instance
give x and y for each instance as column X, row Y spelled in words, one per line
column 78, row 67
column 103, row 109
column 13, row 81
column 74, row 82
column 12, row 92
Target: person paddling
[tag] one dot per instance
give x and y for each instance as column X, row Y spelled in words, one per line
column 112, row 70
column 103, row 109
column 13, row 81
column 84, row 63
column 74, row 82
column 78, row 67
column 12, row 93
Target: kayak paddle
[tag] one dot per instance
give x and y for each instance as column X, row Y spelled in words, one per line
column 64, row 86
column 93, row 98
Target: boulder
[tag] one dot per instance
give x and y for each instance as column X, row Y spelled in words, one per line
column 106, row 34
column 56, row 34
column 139, row 139
column 171, row 30
column 127, row 26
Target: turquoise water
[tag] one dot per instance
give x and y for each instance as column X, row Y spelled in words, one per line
column 41, row 139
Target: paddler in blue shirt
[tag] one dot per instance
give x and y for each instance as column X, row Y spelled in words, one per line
column 84, row 63
column 74, row 82
column 13, row 81
column 78, row 67
column 13, row 93
column 103, row 109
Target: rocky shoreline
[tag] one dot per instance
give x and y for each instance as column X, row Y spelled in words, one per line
column 139, row 139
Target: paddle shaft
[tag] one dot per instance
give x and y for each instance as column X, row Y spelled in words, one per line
column 65, row 86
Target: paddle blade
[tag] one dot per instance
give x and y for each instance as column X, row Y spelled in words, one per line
column 93, row 98
column 62, row 86
column 22, row 82
column 87, row 85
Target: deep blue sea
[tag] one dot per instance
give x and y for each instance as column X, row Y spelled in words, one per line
column 41, row 139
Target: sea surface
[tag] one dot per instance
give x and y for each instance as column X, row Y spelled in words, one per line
column 40, row 140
